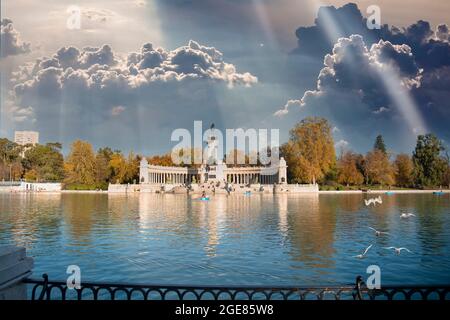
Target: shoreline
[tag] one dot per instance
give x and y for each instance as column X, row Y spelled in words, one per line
column 393, row 191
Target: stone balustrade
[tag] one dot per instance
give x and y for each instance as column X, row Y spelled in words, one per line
column 14, row 267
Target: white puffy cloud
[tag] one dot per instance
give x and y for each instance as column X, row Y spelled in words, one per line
column 100, row 69
column 381, row 110
column 285, row 109
column 341, row 144
column 76, row 92
column 115, row 111
column 10, row 42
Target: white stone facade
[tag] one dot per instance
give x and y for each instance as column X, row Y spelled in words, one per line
column 151, row 174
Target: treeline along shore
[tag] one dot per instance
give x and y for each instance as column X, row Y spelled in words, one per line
column 310, row 154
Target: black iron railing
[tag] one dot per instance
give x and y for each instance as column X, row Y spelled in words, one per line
column 45, row 289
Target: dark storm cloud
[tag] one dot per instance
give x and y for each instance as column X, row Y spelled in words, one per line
column 442, row 33
column 353, row 91
column 368, row 90
column 10, row 42
column 430, row 48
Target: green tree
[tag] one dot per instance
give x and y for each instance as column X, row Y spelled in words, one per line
column 429, row 165
column 379, row 144
column 10, row 160
column 9, row 151
column 80, row 163
column 309, row 152
column 446, row 177
column 46, row 162
column 103, row 171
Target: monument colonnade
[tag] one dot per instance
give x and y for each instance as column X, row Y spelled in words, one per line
column 180, row 175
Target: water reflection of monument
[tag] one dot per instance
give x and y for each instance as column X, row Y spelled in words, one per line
column 205, row 223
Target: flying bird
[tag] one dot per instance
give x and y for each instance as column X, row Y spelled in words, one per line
column 378, row 233
column 373, row 201
column 360, row 256
column 407, row 215
column 397, row 250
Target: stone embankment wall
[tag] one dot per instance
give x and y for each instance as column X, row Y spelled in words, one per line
column 211, row 188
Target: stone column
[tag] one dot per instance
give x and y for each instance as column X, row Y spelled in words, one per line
column 282, row 171
column 14, row 267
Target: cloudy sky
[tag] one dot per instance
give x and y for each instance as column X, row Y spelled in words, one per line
column 136, row 70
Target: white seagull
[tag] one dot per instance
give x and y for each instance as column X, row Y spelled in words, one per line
column 397, row 250
column 407, row 215
column 360, row 256
column 373, row 201
column 378, row 233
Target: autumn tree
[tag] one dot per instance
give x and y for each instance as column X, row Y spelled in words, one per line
column 378, row 168
column 132, row 168
column 236, row 158
column 309, row 153
column 161, row 160
column 186, row 157
column 31, row 175
column 118, row 167
column 80, row 163
column 348, row 172
column 404, row 168
column 429, row 165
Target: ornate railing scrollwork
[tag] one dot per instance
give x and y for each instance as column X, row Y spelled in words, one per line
column 45, row 289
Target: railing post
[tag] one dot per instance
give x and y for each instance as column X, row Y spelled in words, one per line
column 14, row 267
column 358, row 295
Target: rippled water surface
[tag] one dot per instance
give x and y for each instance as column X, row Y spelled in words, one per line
column 240, row 240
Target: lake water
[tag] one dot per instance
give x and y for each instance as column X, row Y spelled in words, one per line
column 230, row 240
